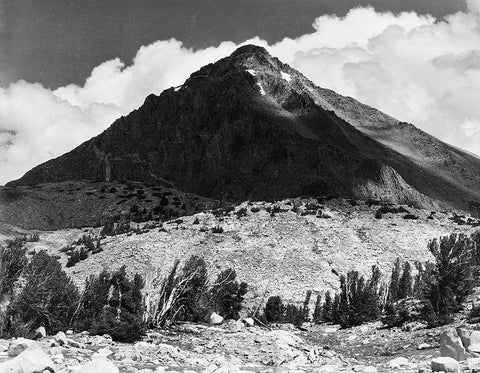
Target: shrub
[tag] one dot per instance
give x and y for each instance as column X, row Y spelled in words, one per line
column 186, row 295
column 48, row 297
column 411, row 217
column 451, row 281
column 241, row 212
column 359, row 300
column 217, row 229
column 227, row 294
column 12, row 263
column 274, row 309
column 112, row 304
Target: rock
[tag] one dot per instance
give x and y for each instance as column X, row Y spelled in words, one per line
column 249, row 322
column 74, row 343
column 17, row 346
column 69, row 332
column 216, row 319
column 32, row 360
column 40, row 332
column 235, row 326
column 55, row 351
column 474, row 364
column 370, row 369
column 98, row 365
column 61, row 338
column 424, row 346
column 470, row 339
column 104, row 352
column 451, row 345
column 329, row 368
column 398, row 363
column 445, row 364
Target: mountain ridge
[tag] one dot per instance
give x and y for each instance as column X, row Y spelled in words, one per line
column 251, row 127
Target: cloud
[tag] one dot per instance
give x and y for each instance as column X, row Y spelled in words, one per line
column 416, row 68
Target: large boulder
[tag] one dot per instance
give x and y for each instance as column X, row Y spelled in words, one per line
column 470, row 340
column 17, row 346
column 98, row 365
column 32, row 360
column 40, row 332
column 216, row 319
column 445, row 364
column 61, row 338
column 451, row 345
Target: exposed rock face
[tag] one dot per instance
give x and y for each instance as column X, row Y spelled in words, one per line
column 460, row 344
column 251, row 127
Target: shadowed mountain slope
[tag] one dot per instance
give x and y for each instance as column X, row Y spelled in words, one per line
column 251, row 127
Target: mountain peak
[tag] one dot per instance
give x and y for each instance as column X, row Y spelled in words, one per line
column 250, row 49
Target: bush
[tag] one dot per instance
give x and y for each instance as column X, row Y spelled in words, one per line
column 227, row 294
column 451, row 281
column 12, row 263
column 359, row 300
column 274, row 309
column 112, row 304
column 48, row 298
column 217, row 229
column 185, row 295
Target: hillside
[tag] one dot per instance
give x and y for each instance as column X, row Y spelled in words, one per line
column 76, row 204
column 283, row 248
column 249, row 127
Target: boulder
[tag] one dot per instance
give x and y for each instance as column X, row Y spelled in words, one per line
column 32, row 360
column 216, row 319
column 98, row 365
column 445, row 364
column 328, row 368
column 451, row 345
column 424, row 346
column 61, row 338
column 249, row 322
column 235, row 326
column 17, row 346
column 399, row 362
column 470, row 340
column 40, row 332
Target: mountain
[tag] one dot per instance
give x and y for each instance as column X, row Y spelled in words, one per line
column 251, row 127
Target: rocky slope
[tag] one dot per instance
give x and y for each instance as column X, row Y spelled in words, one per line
column 283, row 248
column 251, row 127
column 79, row 204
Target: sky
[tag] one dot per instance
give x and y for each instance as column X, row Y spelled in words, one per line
column 69, row 68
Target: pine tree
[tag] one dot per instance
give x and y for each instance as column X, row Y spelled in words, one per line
column 274, row 309
column 49, row 297
column 306, row 307
column 405, row 283
column 317, row 313
column 394, row 282
column 328, row 308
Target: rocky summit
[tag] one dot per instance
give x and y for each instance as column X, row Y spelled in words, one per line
column 251, row 127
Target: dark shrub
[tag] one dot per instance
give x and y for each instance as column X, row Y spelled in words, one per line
column 12, row 263
column 48, row 298
column 113, row 304
column 227, row 294
column 274, row 309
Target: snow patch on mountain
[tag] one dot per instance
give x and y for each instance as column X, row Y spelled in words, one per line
column 286, row 76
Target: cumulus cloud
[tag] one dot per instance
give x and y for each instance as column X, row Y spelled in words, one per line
column 416, row 68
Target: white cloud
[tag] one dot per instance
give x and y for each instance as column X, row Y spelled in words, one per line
column 413, row 67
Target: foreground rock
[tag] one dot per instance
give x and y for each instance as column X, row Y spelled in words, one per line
column 32, row 360
column 445, row 364
column 17, row 346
